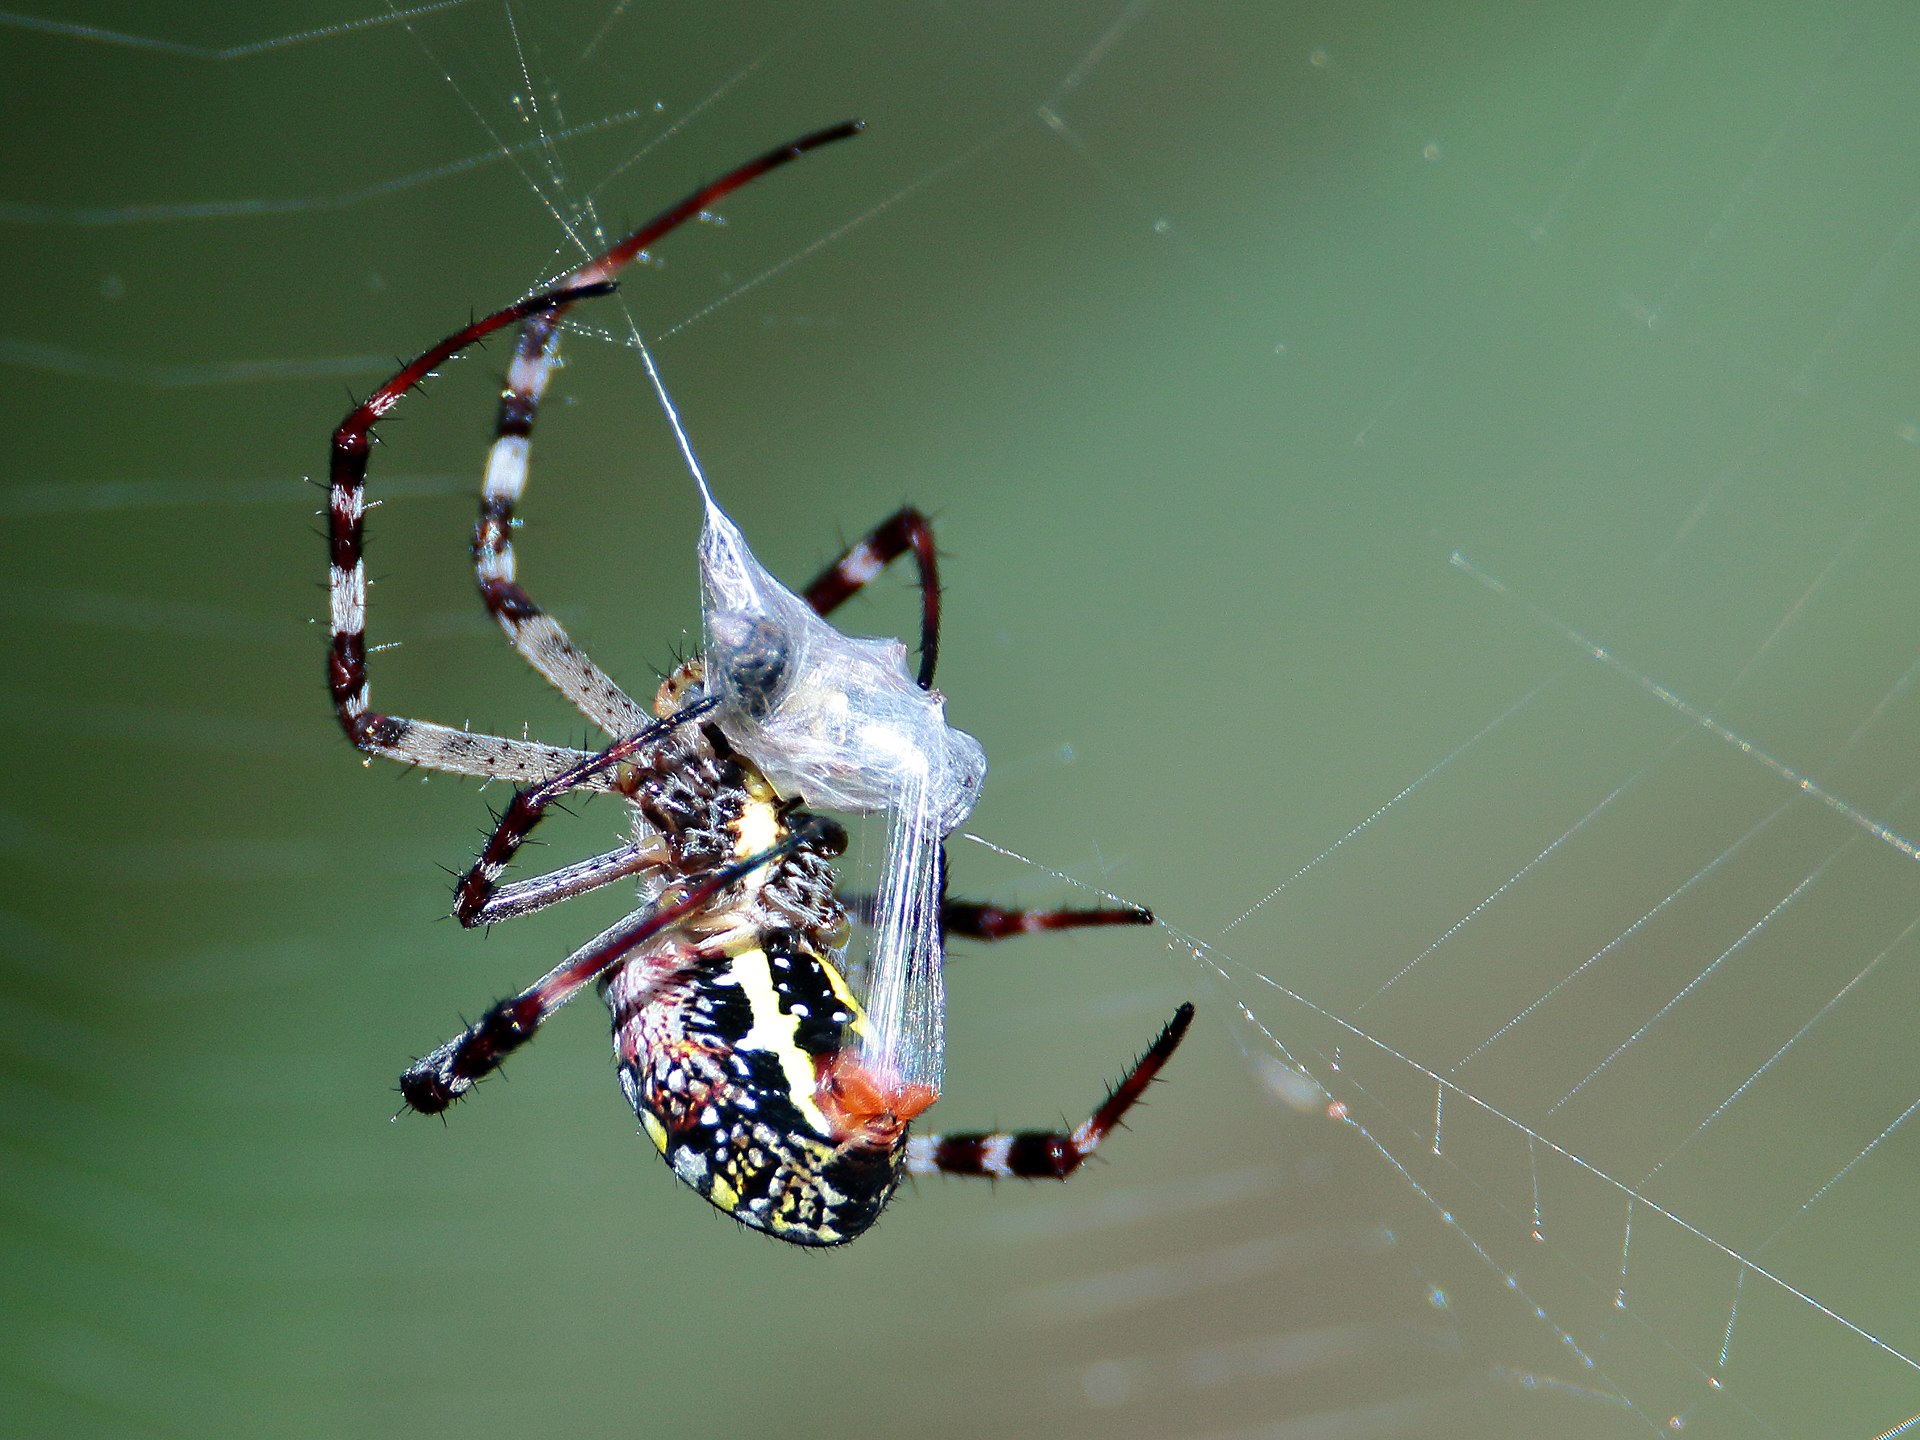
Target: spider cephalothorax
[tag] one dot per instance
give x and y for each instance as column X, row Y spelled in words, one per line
column 767, row 1083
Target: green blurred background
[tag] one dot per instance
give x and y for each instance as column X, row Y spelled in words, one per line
column 1208, row 332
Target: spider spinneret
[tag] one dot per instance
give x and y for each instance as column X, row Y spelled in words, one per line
column 767, row 1084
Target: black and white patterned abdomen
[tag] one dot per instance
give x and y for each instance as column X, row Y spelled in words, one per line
column 724, row 1063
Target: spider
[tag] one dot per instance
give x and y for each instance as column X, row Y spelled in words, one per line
column 739, row 1039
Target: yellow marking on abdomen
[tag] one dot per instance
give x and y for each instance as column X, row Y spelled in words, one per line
column 655, row 1130
column 776, row 1032
column 841, row 992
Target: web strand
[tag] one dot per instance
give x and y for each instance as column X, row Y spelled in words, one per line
column 1803, row 783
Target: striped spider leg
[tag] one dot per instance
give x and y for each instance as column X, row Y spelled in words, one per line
column 416, row 742
column 433, row 1082
column 1034, row 1154
column 1029, row 1155
column 535, row 635
column 479, row 899
column 1046, row 1154
column 907, row 530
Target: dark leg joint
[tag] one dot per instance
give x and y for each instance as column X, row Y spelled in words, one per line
column 435, row 1081
column 508, row 601
column 372, row 732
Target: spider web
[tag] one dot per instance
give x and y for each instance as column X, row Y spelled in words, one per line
column 1428, row 502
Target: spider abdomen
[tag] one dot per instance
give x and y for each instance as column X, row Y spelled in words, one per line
column 727, row 1067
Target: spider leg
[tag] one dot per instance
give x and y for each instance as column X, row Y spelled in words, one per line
column 462, row 752
column 1045, row 1154
column 435, row 1081
column 537, row 636
column 523, row 897
column 440, row 747
column 893, row 537
column 972, row 920
column 435, row 747
column 977, row 920
column 480, row 899
column 531, row 631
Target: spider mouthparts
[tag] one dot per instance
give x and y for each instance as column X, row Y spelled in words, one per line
column 829, row 836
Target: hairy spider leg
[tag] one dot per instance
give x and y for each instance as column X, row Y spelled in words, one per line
column 441, row 747
column 417, row 742
column 972, row 920
column 1046, row 1154
column 479, row 899
column 906, row 529
column 523, row 897
column 976, row 920
column 435, row 1081
column 531, row 631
